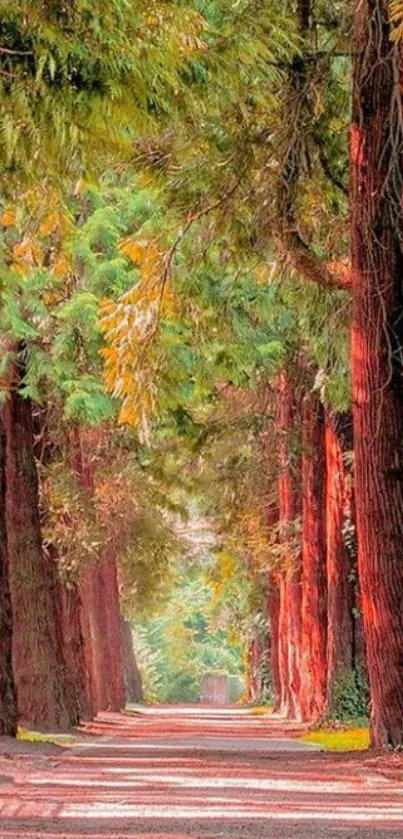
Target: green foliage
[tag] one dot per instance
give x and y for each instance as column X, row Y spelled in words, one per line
column 78, row 78
column 70, row 523
column 184, row 640
column 350, row 696
column 128, row 506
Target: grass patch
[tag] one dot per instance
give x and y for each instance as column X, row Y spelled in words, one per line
column 39, row 737
column 339, row 740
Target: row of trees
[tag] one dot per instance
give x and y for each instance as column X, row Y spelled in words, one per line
column 301, row 164
column 316, row 635
column 218, row 251
column 317, row 641
column 74, row 82
column 65, row 652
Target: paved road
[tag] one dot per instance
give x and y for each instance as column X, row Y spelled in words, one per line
column 183, row 773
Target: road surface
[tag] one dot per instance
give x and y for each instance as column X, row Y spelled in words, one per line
column 194, row 772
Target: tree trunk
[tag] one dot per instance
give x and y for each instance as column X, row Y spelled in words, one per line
column 100, row 614
column 88, row 581
column 273, row 609
column 8, row 698
column 96, row 605
column 39, row 667
column 377, row 340
column 134, row 687
column 286, row 703
column 113, row 637
column 314, row 595
column 101, row 631
column 339, row 515
column 274, row 617
column 88, row 631
column 288, row 513
column 254, row 681
column 73, row 649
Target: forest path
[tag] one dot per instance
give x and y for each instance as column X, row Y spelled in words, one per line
column 192, row 772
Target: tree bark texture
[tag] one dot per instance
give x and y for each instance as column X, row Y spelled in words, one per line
column 273, row 610
column 88, row 628
column 377, row 340
column 94, row 603
column 288, row 513
column 99, row 594
column 8, row 697
column 73, row 649
column 254, row 680
column 314, row 593
column 340, row 584
column 286, row 703
column 113, row 637
column 39, row 666
column 102, row 634
column 274, row 617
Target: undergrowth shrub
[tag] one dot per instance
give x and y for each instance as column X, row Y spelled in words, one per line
column 350, row 696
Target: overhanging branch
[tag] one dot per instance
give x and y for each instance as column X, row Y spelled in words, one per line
column 331, row 275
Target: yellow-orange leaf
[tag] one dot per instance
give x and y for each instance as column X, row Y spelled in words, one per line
column 8, row 219
column 61, row 265
column 49, row 224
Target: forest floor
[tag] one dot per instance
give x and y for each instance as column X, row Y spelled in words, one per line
column 193, row 772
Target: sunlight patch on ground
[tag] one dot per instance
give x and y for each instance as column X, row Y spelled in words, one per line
column 39, row 737
column 173, row 711
column 109, row 810
column 141, row 779
column 204, row 744
column 344, row 740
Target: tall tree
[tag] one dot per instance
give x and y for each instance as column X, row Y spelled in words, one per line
column 314, row 588
column 290, row 586
column 8, row 699
column 274, row 616
column 273, row 608
column 39, row 666
column 98, row 587
column 70, row 606
column 110, row 609
column 341, row 653
column 377, row 340
column 75, row 80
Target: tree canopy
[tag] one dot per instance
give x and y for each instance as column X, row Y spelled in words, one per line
column 193, row 226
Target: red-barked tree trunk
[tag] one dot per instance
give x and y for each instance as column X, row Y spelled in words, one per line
column 39, row 667
column 314, row 588
column 377, row 341
column 274, row 617
column 339, row 519
column 8, row 698
column 290, row 583
column 99, row 595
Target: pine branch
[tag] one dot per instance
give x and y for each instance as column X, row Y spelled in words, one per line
column 191, row 219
